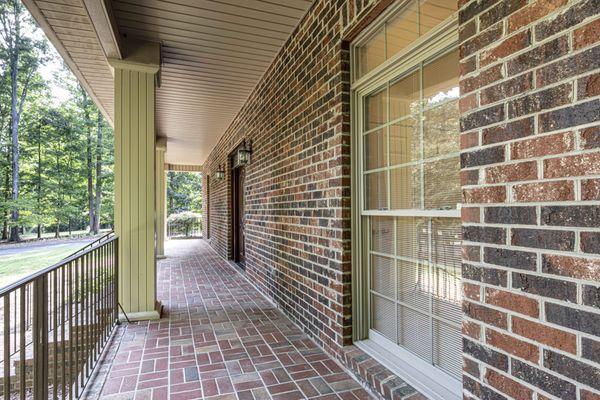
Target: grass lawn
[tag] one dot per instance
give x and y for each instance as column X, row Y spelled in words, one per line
column 15, row 266
column 50, row 235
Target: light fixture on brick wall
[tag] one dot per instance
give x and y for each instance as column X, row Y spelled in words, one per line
column 220, row 174
column 243, row 153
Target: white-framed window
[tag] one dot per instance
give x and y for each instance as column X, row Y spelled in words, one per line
column 406, row 128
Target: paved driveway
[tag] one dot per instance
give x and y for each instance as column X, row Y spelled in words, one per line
column 10, row 249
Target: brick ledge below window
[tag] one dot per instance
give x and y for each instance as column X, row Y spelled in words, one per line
column 377, row 377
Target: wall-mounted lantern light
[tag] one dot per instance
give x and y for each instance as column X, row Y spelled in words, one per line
column 243, row 154
column 220, row 174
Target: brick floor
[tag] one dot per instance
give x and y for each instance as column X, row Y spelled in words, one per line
column 219, row 339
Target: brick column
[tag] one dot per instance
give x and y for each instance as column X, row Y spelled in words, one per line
column 530, row 170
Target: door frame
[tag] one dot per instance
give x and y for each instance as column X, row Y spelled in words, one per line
column 236, row 213
column 206, row 184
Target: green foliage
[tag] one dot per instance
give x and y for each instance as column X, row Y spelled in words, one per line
column 184, row 223
column 56, row 138
column 184, row 192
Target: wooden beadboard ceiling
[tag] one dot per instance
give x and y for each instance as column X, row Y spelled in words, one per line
column 214, row 53
column 69, row 28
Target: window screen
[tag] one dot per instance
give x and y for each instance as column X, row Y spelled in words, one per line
column 411, row 189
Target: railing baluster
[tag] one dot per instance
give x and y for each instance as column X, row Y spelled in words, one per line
column 76, row 329
column 94, row 308
column 53, row 310
column 22, row 329
column 15, row 324
column 103, row 295
column 6, row 332
column 88, row 325
column 66, row 313
column 115, row 250
column 71, row 339
column 63, row 304
column 106, row 293
column 40, row 338
column 97, row 309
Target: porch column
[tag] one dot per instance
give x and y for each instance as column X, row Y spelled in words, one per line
column 134, row 178
column 161, row 195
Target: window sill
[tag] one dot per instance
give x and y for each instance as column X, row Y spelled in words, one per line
column 428, row 380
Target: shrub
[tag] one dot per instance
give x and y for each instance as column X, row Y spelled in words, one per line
column 185, row 222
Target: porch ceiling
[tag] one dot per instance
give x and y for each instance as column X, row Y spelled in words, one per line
column 214, row 53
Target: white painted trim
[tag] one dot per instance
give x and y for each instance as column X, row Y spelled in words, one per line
column 104, row 23
column 409, row 212
column 133, row 66
column 424, row 377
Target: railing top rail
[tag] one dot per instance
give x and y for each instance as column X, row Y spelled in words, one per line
column 92, row 243
column 30, row 278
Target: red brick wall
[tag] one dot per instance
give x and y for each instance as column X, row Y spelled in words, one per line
column 298, row 183
column 531, row 174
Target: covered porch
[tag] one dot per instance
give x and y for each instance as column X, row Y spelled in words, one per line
column 218, row 338
column 414, row 184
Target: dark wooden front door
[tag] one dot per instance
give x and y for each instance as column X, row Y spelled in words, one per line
column 239, row 252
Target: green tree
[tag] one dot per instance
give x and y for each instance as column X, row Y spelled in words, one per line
column 184, row 192
column 37, row 122
column 22, row 55
column 56, row 158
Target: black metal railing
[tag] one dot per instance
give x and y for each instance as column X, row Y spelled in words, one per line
column 107, row 236
column 72, row 307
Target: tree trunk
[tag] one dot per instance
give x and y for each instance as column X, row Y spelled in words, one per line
column 14, row 134
column 57, row 232
column 7, row 194
column 98, row 174
column 39, row 184
column 90, row 176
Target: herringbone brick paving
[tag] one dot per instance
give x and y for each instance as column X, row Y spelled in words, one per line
column 219, row 338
